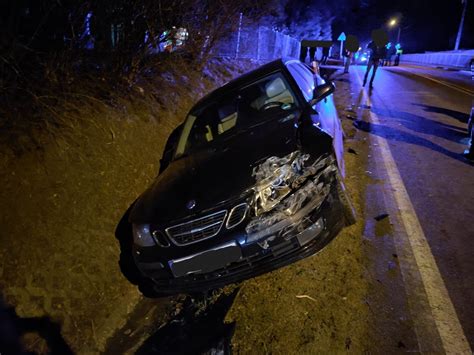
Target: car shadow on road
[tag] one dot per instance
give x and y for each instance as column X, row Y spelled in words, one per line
column 460, row 116
column 343, row 80
column 13, row 327
column 394, row 134
column 422, row 125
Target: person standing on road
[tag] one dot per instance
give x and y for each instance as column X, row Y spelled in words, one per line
column 347, row 59
column 351, row 46
column 324, row 59
column 376, row 54
column 312, row 54
column 469, row 153
column 387, row 61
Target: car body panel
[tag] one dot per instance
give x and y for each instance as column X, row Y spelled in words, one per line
column 327, row 115
column 298, row 145
column 224, row 165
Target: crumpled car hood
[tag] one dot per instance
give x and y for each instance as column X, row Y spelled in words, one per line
column 214, row 176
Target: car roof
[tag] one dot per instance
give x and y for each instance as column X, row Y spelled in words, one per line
column 279, row 64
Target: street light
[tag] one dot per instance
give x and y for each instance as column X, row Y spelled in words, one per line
column 395, row 22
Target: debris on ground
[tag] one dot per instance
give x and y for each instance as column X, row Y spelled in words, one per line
column 381, row 217
column 401, row 344
column 306, row 296
column 348, row 343
column 391, row 265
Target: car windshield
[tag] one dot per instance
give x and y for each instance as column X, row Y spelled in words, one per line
column 234, row 112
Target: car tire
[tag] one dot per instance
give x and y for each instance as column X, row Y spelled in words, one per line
column 349, row 213
column 123, row 233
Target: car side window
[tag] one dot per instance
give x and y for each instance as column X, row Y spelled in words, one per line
column 271, row 91
column 304, row 79
column 237, row 110
column 213, row 121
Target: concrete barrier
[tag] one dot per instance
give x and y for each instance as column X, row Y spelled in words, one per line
column 451, row 59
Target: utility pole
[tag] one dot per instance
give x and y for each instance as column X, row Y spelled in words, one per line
column 461, row 25
column 238, row 37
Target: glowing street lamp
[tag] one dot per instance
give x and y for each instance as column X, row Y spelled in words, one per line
column 394, row 22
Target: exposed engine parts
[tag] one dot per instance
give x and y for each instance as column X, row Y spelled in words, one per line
column 287, row 190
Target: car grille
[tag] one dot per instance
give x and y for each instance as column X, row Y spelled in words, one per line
column 256, row 264
column 197, row 229
column 236, row 215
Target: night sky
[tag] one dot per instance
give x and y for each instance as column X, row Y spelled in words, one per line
column 427, row 25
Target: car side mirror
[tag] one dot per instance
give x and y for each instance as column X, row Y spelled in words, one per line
column 322, row 91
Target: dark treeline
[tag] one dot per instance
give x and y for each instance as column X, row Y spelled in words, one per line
column 120, row 32
column 55, row 51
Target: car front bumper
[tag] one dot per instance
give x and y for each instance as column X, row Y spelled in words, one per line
column 227, row 264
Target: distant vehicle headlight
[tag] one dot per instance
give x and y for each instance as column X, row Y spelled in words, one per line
column 142, row 236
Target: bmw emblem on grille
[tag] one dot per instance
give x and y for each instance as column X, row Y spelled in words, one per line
column 191, row 204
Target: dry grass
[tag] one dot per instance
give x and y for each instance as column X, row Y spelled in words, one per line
column 61, row 202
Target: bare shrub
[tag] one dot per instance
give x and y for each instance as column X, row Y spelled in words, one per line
column 49, row 72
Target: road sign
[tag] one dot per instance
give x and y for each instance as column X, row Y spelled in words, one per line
column 342, row 38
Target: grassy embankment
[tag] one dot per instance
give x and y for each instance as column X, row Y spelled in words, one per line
column 67, row 176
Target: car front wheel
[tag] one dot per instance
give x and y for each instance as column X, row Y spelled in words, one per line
column 348, row 208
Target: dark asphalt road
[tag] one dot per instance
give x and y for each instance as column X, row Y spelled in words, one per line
column 422, row 113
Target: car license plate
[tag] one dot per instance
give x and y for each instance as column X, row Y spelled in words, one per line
column 206, row 261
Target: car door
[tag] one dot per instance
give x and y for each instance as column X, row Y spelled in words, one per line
column 331, row 123
column 326, row 116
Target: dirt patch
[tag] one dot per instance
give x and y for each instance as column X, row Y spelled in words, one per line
column 60, row 206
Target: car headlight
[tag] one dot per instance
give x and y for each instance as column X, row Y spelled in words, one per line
column 275, row 179
column 142, row 236
column 269, row 192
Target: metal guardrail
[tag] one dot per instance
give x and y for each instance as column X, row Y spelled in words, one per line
column 455, row 59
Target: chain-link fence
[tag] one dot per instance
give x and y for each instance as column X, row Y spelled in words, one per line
column 257, row 42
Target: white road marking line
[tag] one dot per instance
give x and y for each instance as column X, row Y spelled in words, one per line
column 449, row 328
column 452, row 86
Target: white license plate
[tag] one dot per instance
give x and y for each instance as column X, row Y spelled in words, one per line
column 206, row 261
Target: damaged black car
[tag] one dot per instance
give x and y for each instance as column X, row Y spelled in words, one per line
column 249, row 182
